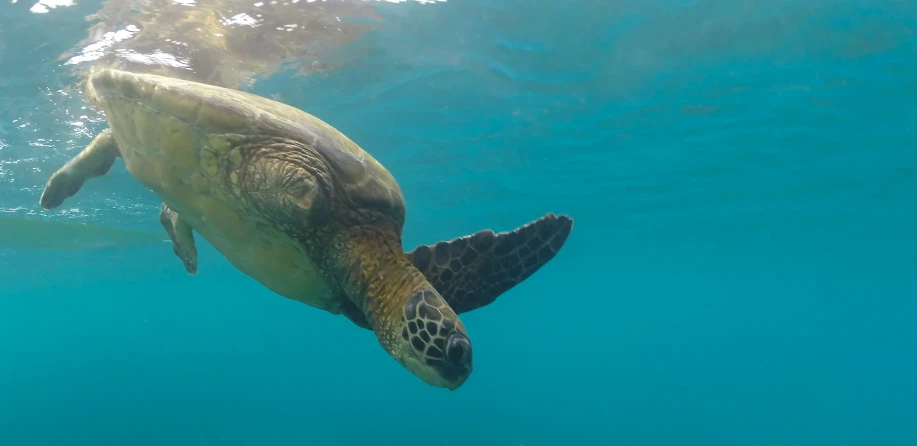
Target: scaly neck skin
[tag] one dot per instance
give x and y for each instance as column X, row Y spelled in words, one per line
column 376, row 275
column 389, row 282
column 412, row 322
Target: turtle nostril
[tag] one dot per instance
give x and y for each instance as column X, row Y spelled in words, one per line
column 459, row 349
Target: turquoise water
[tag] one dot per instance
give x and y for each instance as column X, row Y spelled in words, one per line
column 742, row 270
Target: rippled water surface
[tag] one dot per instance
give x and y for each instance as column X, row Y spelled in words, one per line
column 743, row 177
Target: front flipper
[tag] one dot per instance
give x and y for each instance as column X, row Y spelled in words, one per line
column 182, row 238
column 350, row 310
column 93, row 161
column 472, row 271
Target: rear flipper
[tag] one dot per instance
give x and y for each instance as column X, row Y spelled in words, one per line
column 94, row 161
column 472, row 271
column 182, row 238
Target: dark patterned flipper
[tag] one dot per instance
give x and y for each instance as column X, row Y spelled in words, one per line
column 472, row 271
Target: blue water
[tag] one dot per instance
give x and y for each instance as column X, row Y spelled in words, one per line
column 743, row 179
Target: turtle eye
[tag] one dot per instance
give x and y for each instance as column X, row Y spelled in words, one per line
column 306, row 196
column 303, row 193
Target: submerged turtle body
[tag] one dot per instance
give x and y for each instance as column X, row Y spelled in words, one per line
column 298, row 206
column 230, row 163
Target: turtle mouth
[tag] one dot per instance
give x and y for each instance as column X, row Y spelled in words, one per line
column 458, row 381
column 453, row 376
column 101, row 86
column 438, row 373
column 93, row 95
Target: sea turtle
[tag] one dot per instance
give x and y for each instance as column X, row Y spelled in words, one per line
column 293, row 203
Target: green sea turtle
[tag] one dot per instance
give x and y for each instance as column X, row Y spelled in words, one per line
column 296, row 205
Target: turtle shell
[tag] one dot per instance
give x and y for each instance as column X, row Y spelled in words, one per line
column 217, row 110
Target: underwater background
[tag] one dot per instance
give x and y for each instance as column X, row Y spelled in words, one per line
column 742, row 270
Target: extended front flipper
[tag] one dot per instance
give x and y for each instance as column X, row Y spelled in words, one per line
column 93, row 161
column 472, row 271
column 182, row 238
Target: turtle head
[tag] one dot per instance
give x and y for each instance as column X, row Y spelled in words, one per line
column 411, row 320
column 432, row 342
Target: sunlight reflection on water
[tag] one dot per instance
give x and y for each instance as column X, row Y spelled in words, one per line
column 224, row 42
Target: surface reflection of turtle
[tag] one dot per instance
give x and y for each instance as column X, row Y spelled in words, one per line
column 228, row 43
column 298, row 206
